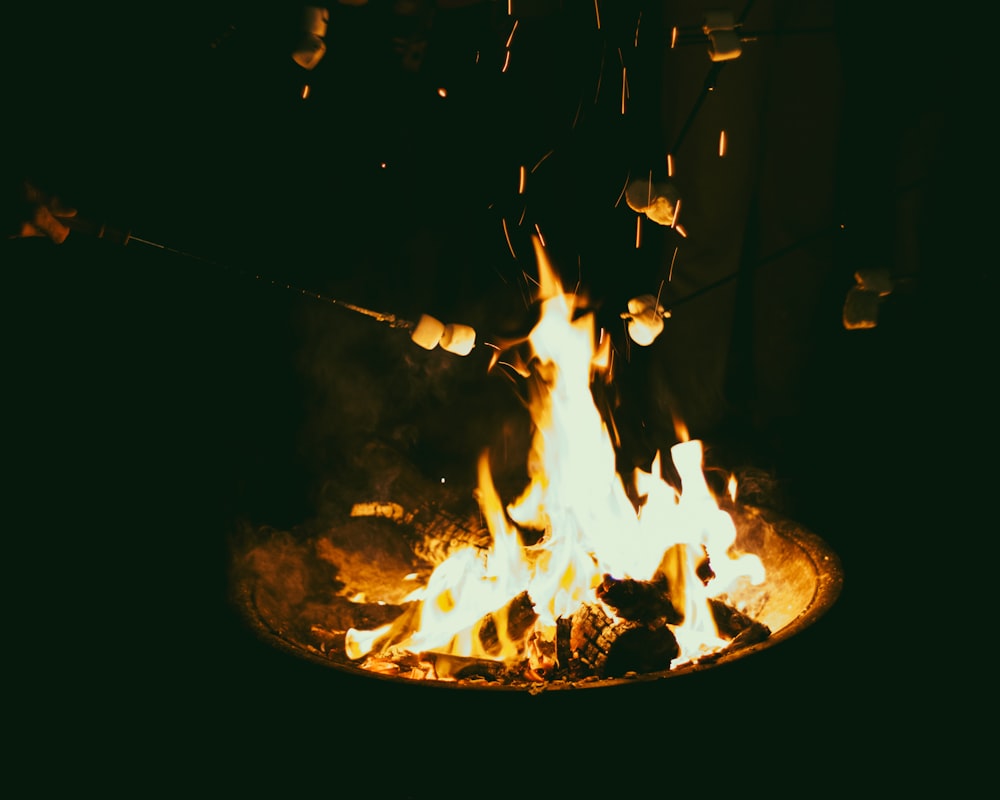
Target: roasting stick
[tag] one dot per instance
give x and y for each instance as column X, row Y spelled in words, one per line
column 427, row 332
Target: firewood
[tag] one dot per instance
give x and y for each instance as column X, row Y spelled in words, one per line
column 520, row 613
column 640, row 601
column 615, row 648
column 734, row 624
column 448, row 666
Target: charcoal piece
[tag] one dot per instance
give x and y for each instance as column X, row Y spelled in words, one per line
column 704, row 570
column 640, row 601
column 640, row 649
column 734, row 624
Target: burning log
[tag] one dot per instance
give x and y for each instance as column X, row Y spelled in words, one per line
column 601, row 646
column 640, row 601
column 408, row 498
column 517, row 619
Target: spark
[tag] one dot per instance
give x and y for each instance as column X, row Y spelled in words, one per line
column 522, row 179
column 673, row 258
column 677, row 213
column 539, row 232
column 442, row 92
column 511, row 37
column 722, row 143
column 673, row 38
column 524, row 212
column 638, row 22
column 597, row 13
column 305, row 91
column 506, row 61
column 506, row 233
column 670, row 165
column 638, row 231
column 624, row 88
column 624, row 189
column 600, row 75
column 539, row 162
column 680, row 229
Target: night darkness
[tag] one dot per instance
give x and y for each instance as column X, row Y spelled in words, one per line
column 164, row 403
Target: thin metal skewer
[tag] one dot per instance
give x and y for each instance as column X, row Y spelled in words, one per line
column 125, row 238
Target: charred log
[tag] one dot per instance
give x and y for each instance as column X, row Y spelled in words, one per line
column 517, row 618
column 613, row 648
column 704, row 569
column 640, row 601
column 462, row 668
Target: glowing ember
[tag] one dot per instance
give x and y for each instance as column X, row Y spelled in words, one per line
column 574, row 563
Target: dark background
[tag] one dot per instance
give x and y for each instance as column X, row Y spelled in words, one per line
column 160, row 402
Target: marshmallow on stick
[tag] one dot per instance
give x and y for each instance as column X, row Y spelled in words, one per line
column 430, row 332
column 657, row 200
column 645, row 319
column 861, row 305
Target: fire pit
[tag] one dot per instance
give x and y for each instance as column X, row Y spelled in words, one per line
column 583, row 579
column 804, row 580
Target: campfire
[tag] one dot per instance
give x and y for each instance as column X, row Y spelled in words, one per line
column 583, row 577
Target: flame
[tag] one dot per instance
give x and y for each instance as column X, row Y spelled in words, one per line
column 574, row 523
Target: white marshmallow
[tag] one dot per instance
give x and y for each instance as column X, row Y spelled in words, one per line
column 309, row 51
column 314, row 20
column 644, row 329
column 658, row 201
column 726, row 46
column 874, row 280
column 645, row 319
column 458, row 339
column 311, row 48
column 427, row 332
column 718, row 20
column 860, row 309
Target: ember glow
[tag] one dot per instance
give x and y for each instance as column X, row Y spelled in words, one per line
column 574, row 532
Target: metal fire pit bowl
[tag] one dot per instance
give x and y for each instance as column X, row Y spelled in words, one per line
column 279, row 589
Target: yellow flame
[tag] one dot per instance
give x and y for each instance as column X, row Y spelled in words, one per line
column 573, row 523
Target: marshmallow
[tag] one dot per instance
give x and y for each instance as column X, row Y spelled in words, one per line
column 428, row 332
column 314, row 20
column 720, row 28
column 718, row 20
column 645, row 319
column 725, row 45
column 658, row 201
column 860, row 309
column 874, row 280
column 311, row 47
column 458, row 339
